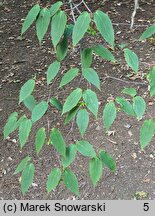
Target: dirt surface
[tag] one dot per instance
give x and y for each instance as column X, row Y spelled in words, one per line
column 23, row 59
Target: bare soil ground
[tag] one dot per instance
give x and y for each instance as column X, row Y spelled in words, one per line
column 22, row 59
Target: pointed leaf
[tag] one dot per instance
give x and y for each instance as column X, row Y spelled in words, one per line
column 39, row 110
column 26, row 90
column 82, row 120
column 151, row 79
column 80, row 27
column 20, row 120
column 10, row 125
column 125, row 106
column 71, row 115
column 109, row 114
column 104, row 53
column 148, row 32
column 95, row 170
column 108, row 160
column 147, row 131
column 72, row 100
column 70, row 155
column 42, row 23
column 30, row 102
column 104, row 25
column 129, row 91
column 58, row 25
column 69, row 76
column 91, row 101
column 56, row 103
column 85, row 148
column 92, row 77
column 53, row 179
column 40, row 139
column 52, row 71
column 27, row 177
column 62, row 47
column 24, row 131
column 58, row 141
column 139, row 106
column 131, row 59
column 71, row 182
column 86, row 57
column 22, row 165
column 30, row 18
column 55, row 7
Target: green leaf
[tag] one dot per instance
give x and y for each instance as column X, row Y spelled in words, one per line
column 125, row 106
column 104, row 25
column 20, row 120
column 82, row 121
column 52, row 71
column 26, row 90
column 56, row 103
column 95, row 170
column 58, row 25
column 30, row 18
column 104, row 53
column 40, row 139
column 91, row 101
column 71, row 182
column 131, row 59
column 53, row 179
column 129, row 91
column 151, row 79
column 58, row 141
column 27, row 177
column 10, row 125
column 108, row 160
column 139, row 106
column 72, row 100
column 86, row 57
column 92, row 77
column 147, row 131
column 80, row 27
column 62, row 47
column 68, row 30
column 70, row 155
column 55, row 7
column 69, row 76
column 42, row 23
column 39, row 110
column 71, row 114
column 30, row 102
column 24, row 131
column 109, row 114
column 22, row 165
column 85, row 148
column 123, row 45
column 148, row 32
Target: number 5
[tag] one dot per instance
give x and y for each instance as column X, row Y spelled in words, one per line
column 146, row 207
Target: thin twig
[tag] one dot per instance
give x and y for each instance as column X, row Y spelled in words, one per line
column 111, row 141
column 125, row 81
column 86, row 6
column 70, row 130
column 76, row 7
column 128, row 24
column 136, row 6
column 72, row 11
